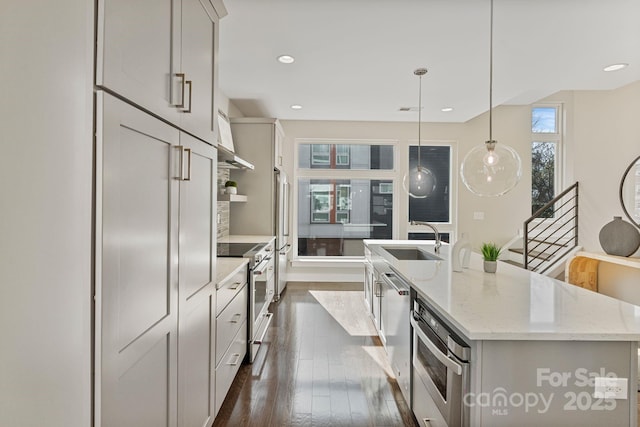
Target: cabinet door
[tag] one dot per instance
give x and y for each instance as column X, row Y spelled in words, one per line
column 199, row 24
column 196, row 384
column 136, row 267
column 136, row 55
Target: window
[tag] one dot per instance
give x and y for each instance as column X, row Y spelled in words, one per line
column 437, row 207
column 320, row 155
column 345, row 194
column 545, row 156
column 320, row 202
column 345, row 156
column 342, row 155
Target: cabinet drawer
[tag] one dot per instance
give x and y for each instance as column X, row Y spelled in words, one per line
column 229, row 321
column 229, row 288
column 424, row 408
column 228, row 367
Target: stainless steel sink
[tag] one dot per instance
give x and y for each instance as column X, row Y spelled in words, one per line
column 410, row 253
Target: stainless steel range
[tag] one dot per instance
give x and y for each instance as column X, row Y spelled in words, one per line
column 261, row 286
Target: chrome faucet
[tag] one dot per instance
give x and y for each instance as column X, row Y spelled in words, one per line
column 435, row 230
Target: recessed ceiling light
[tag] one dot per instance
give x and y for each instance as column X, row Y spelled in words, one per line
column 296, row 107
column 447, row 109
column 286, row 59
column 615, row 67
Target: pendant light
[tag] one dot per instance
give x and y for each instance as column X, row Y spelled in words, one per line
column 419, row 182
column 491, row 169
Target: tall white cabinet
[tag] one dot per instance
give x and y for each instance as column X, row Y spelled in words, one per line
column 160, row 55
column 156, row 168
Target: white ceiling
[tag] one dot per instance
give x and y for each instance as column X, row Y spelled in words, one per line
column 355, row 58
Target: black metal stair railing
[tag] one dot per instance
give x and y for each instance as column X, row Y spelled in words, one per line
column 552, row 231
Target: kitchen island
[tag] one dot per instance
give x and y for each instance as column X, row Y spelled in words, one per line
column 541, row 350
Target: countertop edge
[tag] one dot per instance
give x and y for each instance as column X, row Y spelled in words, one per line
column 227, row 267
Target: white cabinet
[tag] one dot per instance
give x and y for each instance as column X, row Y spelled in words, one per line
column 136, row 267
column 231, row 331
column 196, row 282
column 160, row 56
column 198, row 41
column 155, row 200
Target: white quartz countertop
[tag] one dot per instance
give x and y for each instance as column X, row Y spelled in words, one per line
column 512, row 304
column 248, row 238
column 227, row 267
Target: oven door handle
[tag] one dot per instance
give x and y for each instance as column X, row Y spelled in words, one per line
column 443, row 358
column 262, row 267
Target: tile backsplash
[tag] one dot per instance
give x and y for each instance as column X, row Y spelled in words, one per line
column 223, row 207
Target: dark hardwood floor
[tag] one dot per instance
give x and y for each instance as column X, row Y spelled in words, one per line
column 322, row 364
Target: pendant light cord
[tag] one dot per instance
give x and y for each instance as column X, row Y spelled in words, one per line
column 420, row 118
column 491, row 73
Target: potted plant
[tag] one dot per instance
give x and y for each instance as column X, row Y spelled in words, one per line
column 231, row 187
column 490, row 253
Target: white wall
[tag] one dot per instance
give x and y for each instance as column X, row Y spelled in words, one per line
column 46, row 118
column 607, row 139
column 593, row 119
column 503, row 216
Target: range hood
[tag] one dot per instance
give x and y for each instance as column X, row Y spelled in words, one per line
column 227, row 158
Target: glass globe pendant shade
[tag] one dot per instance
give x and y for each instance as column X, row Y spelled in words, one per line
column 419, row 182
column 491, row 170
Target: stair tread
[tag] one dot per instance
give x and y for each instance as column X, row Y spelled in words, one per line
column 517, row 264
column 539, row 255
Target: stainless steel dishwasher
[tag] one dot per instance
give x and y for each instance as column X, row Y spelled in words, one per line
column 396, row 310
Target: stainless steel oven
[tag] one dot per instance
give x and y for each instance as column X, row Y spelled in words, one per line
column 261, row 286
column 441, row 370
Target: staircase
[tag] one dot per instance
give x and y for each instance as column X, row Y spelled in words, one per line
column 550, row 235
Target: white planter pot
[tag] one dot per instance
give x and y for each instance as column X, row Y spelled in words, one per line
column 231, row 190
column 490, row 266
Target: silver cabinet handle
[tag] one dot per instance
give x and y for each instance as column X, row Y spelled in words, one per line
column 188, row 151
column 181, row 76
column 235, row 286
column 235, row 318
column 427, row 422
column 269, row 317
column 180, row 149
column 386, row 278
column 377, row 291
column 189, row 83
column 235, row 362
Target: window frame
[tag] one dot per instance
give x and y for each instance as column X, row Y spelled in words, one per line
column 443, row 227
column 342, row 174
column 555, row 138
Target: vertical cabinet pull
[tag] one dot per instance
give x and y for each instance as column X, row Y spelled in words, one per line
column 181, row 175
column 427, row 422
column 189, row 83
column 181, row 76
column 184, row 82
column 188, row 151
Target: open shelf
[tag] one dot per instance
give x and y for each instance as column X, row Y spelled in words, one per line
column 232, row 198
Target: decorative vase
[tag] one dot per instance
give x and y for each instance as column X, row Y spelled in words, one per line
column 490, row 266
column 231, row 190
column 460, row 254
column 619, row 237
